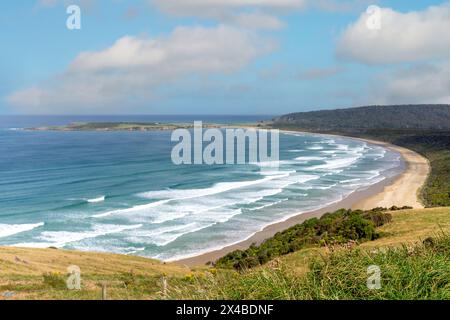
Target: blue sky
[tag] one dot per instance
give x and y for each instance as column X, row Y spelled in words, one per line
column 220, row 56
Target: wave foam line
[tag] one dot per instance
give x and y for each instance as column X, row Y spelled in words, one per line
column 310, row 158
column 59, row 239
column 221, row 187
column 173, row 194
column 96, row 200
column 132, row 209
column 336, row 163
column 268, row 205
column 7, row 230
column 167, row 235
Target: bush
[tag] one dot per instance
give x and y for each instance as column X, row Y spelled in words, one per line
column 378, row 218
column 340, row 226
column 54, row 280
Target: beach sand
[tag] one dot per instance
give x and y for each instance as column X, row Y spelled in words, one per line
column 404, row 191
column 401, row 190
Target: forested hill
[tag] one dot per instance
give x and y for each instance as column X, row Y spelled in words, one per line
column 422, row 117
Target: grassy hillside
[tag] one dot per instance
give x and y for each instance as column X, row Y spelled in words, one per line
column 322, row 272
column 42, row 274
column 409, row 272
column 413, row 256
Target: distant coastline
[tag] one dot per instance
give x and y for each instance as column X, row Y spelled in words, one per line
column 118, row 126
column 140, row 126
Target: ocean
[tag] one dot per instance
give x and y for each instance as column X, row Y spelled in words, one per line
column 119, row 191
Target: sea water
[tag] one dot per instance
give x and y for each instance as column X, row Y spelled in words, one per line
column 120, row 192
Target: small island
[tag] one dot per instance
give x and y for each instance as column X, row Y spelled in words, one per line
column 141, row 126
column 119, row 126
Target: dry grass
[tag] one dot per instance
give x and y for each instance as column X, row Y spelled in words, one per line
column 22, row 272
column 412, row 226
column 20, row 261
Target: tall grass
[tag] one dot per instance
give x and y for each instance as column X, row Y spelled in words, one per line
column 408, row 272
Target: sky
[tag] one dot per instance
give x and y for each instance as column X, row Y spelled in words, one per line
column 221, row 56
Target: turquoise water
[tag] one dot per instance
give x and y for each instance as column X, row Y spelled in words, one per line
column 119, row 191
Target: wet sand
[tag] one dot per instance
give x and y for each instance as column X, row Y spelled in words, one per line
column 400, row 190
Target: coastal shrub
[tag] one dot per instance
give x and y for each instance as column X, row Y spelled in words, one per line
column 54, row 280
column 395, row 208
column 139, row 283
column 378, row 218
column 336, row 227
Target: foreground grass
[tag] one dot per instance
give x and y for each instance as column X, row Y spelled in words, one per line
column 42, row 274
column 409, row 270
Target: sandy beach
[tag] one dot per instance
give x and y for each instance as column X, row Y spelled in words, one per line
column 401, row 190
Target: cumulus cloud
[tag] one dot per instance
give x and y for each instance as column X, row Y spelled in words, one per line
column 425, row 83
column 131, row 70
column 411, row 36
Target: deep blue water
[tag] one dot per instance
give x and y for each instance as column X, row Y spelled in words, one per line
column 120, row 192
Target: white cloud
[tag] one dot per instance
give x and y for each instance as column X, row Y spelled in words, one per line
column 251, row 14
column 428, row 83
column 411, row 36
column 132, row 69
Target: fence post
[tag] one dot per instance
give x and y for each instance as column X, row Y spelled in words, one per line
column 104, row 297
column 164, row 283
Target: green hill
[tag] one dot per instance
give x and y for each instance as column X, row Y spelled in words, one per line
column 417, row 117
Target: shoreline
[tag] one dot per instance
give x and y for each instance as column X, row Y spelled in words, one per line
column 396, row 190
